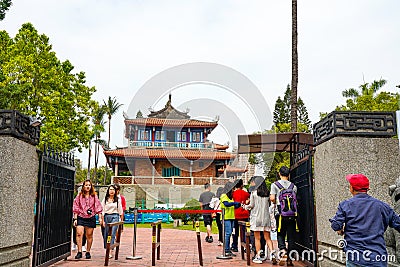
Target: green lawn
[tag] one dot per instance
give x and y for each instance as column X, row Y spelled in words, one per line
column 188, row 226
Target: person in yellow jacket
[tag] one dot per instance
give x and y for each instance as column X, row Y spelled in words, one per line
column 229, row 206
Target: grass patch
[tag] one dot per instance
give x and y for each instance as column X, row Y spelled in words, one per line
column 188, row 226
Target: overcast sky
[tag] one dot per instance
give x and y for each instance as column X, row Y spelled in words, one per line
column 120, row 45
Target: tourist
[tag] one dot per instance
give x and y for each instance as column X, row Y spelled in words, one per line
column 122, row 199
column 260, row 222
column 241, row 196
column 229, row 206
column 205, row 199
column 112, row 212
column 216, row 205
column 286, row 225
column 86, row 206
column 363, row 220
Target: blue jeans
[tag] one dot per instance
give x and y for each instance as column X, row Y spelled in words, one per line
column 110, row 218
column 229, row 224
column 350, row 264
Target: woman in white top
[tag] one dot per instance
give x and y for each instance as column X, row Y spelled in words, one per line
column 260, row 221
column 112, row 212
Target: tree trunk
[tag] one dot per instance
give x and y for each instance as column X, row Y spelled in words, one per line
column 109, row 131
column 90, row 155
column 295, row 64
column 96, row 160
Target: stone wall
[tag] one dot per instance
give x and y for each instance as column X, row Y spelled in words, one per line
column 154, row 194
column 18, row 171
column 377, row 158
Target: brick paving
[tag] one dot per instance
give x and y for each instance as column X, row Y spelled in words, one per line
column 178, row 248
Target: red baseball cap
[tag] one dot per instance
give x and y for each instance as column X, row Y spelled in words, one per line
column 358, row 181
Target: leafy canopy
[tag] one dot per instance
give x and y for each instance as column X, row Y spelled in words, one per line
column 4, row 6
column 34, row 81
column 367, row 98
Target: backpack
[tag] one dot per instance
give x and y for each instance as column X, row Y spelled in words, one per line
column 287, row 200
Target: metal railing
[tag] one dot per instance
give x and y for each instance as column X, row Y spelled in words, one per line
column 173, row 180
column 162, row 144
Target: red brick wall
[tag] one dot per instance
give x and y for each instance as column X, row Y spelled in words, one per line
column 143, row 167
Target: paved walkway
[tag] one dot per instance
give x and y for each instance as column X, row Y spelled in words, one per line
column 178, row 248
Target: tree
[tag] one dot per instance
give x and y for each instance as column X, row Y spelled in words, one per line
column 111, row 107
column 35, row 82
column 4, row 6
column 98, row 128
column 295, row 68
column 367, row 98
column 282, row 114
column 303, row 115
column 282, row 124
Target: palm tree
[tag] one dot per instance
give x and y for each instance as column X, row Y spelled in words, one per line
column 295, row 70
column 98, row 128
column 111, row 107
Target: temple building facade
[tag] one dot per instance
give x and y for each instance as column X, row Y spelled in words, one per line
column 168, row 147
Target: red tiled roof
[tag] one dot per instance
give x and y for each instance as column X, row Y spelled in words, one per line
column 231, row 169
column 170, row 122
column 192, row 154
column 221, row 147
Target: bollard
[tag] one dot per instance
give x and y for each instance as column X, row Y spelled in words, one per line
column 223, row 256
column 245, row 235
column 117, row 241
column 155, row 241
column 134, row 257
column 199, row 243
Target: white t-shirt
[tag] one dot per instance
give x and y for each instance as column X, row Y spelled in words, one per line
column 276, row 191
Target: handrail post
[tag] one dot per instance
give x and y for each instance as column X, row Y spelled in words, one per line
column 199, row 243
column 248, row 242
column 117, row 240
column 245, row 235
column 134, row 257
column 156, row 241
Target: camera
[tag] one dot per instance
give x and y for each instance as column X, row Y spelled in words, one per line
column 89, row 211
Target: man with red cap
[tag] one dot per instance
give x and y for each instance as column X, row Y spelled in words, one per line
column 363, row 220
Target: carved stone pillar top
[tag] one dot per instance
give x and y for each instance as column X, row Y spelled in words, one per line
column 13, row 123
column 355, row 123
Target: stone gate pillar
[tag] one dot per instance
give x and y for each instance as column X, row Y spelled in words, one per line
column 19, row 163
column 351, row 142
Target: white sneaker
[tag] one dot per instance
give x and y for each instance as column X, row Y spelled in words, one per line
column 83, row 248
column 257, row 259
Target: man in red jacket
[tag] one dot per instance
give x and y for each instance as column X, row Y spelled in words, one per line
column 239, row 195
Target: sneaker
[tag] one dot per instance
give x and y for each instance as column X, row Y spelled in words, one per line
column 234, row 249
column 73, row 247
column 263, row 257
column 210, row 239
column 229, row 253
column 273, row 258
column 87, row 255
column 78, row 256
column 207, row 238
column 83, row 248
column 283, row 260
column 257, row 259
column 110, row 256
column 219, row 243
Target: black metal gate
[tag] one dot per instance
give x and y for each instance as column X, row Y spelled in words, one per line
column 53, row 219
column 306, row 240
